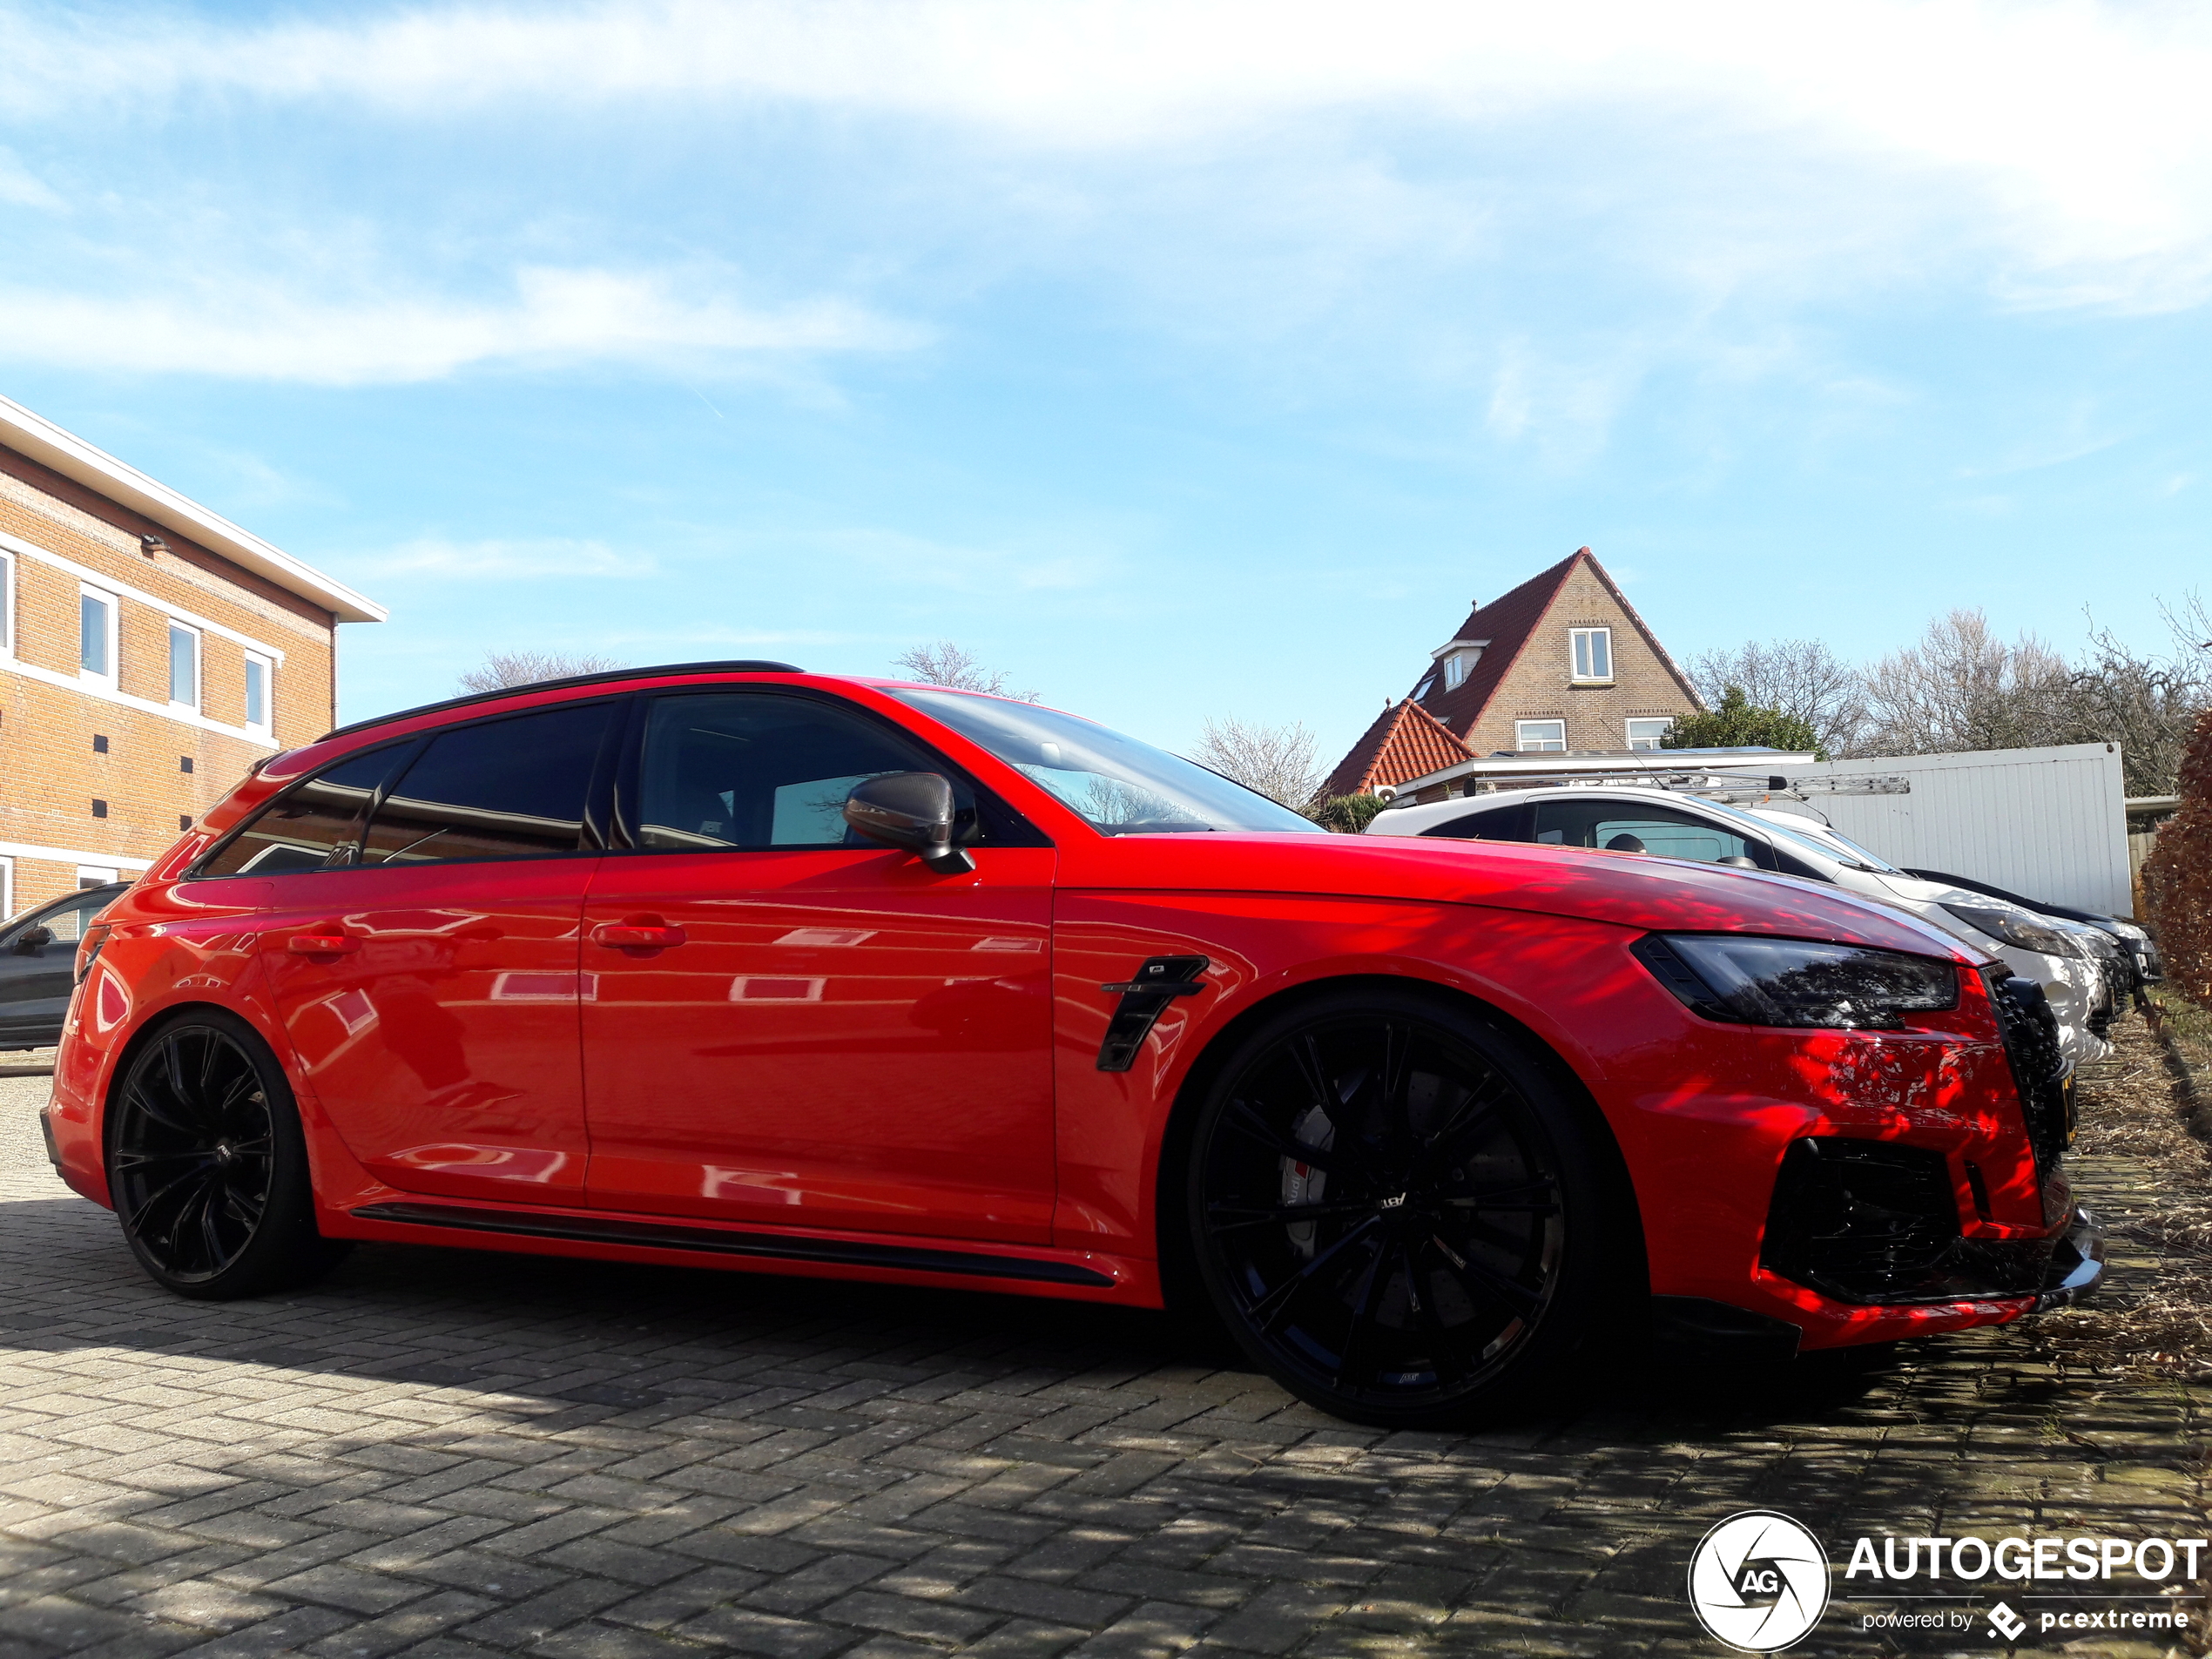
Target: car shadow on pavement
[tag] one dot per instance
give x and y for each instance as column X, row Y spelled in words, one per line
column 572, row 1332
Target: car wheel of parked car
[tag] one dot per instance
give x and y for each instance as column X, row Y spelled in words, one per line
column 206, row 1165
column 1396, row 1211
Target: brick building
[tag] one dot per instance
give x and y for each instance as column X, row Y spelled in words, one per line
column 150, row 653
column 1561, row 664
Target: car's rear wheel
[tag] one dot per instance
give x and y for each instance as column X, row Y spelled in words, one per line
column 206, row 1165
column 1399, row 1212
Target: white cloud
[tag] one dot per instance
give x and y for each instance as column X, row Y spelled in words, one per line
column 2079, row 135
column 260, row 328
column 507, row 561
column 19, row 187
column 896, row 558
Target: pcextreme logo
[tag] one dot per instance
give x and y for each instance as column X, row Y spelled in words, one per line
column 1758, row 1581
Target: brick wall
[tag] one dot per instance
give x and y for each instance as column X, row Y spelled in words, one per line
column 1540, row 684
column 52, row 769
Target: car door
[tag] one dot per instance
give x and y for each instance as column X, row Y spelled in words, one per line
column 425, row 969
column 784, row 1023
column 38, row 966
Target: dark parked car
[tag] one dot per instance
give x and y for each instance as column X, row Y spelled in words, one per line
column 38, row 960
column 2139, row 948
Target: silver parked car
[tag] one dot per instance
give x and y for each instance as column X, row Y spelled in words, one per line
column 1664, row 824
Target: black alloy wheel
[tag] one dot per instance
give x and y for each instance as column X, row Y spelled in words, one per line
column 207, row 1166
column 1394, row 1209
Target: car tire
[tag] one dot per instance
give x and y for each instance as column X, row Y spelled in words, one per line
column 1403, row 1214
column 206, row 1165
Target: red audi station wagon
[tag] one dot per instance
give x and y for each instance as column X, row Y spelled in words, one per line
column 730, row 965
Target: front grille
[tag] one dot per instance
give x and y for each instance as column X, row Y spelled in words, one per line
column 1864, row 1221
column 2031, row 1033
column 1876, row 1223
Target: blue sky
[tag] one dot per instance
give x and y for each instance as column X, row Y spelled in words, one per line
column 1181, row 359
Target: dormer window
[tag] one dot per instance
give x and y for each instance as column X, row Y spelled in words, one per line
column 1455, row 661
column 1592, row 650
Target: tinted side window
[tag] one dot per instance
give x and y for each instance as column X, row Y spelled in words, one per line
column 1624, row 826
column 507, row 789
column 68, row 924
column 1498, row 824
column 302, row 828
column 750, row 769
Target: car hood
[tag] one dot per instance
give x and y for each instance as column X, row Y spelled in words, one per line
column 1633, row 890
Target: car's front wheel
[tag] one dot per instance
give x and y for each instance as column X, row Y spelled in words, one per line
column 206, row 1165
column 1399, row 1212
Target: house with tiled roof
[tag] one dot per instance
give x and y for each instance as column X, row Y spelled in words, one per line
column 1561, row 664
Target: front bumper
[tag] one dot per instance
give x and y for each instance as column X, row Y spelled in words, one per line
column 1870, row 1235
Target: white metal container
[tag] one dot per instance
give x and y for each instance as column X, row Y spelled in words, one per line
column 2049, row 823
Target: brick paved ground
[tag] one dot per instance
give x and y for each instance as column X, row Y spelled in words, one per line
column 454, row 1456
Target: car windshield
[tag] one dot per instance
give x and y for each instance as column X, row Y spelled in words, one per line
column 1871, row 861
column 1121, row 786
column 1827, row 843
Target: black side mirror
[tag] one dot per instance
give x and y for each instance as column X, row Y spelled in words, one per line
column 34, row 939
column 912, row 810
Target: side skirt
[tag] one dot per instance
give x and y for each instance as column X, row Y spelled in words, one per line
column 646, row 1235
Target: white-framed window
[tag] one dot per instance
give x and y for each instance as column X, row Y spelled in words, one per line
column 1543, row 736
column 184, row 666
column 1645, row 734
column 260, row 692
column 96, row 634
column 8, row 889
column 1592, row 650
column 96, row 875
column 7, row 603
column 1455, row 670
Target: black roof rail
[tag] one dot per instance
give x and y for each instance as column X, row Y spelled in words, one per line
column 603, row 676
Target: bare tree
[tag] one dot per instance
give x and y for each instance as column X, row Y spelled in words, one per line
column 944, row 662
column 1960, row 688
column 502, row 669
column 1801, row 678
column 2147, row 704
column 1276, row 761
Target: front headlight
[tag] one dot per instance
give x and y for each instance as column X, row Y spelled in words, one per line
column 2127, row 930
column 1747, row 980
column 2016, row 929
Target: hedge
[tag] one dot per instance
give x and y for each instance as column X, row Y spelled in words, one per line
column 2177, row 876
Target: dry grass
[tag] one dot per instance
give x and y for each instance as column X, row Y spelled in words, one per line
column 2157, row 1325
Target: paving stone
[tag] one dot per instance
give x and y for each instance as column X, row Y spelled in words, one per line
column 287, row 1631
column 531, row 1622
column 1277, row 1619
column 750, row 1630
column 408, row 1626
column 347, row 1587
column 454, row 1456
column 908, row 1616
column 1154, row 1628
column 815, row 1583
column 625, row 1563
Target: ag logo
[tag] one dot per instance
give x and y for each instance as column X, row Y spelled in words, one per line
column 1758, row 1581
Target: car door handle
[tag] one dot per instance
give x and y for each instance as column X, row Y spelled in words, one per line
column 638, row 933
column 321, row 944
